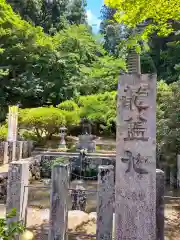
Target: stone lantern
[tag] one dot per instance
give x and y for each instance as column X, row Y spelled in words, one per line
column 63, row 132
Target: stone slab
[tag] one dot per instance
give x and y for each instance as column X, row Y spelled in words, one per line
column 136, row 158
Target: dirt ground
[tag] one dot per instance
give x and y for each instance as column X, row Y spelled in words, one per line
column 172, row 220
column 37, row 217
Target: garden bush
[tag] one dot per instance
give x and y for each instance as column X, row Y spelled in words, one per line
column 100, row 109
column 71, row 112
column 42, row 121
column 68, row 105
column 3, row 133
column 28, row 135
column 47, row 166
column 72, row 118
column 12, row 230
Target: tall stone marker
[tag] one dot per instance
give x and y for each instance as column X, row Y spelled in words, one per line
column 136, row 158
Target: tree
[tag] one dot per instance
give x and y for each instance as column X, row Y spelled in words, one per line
column 22, row 46
column 101, row 76
column 155, row 14
column 76, row 13
column 113, row 32
column 110, row 29
column 100, row 109
column 37, row 69
column 165, row 54
column 71, row 111
column 43, row 121
column 168, row 120
column 53, row 15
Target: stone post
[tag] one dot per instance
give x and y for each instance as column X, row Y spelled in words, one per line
column 59, row 203
column 17, row 193
column 172, row 177
column 135, row 195
column 14, row 158
column 20, row 149
column 2, row 150
column 25, row 149
column 5, row 153
column 178, row 171
column 160, row 189
column 105, row 202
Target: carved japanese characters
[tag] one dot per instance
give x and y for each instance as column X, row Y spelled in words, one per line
column 134, row 162
column 133, row 102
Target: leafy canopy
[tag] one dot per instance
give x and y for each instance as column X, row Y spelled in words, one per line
column 158, row 13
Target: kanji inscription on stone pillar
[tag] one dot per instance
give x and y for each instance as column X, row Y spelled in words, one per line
column 136, row 158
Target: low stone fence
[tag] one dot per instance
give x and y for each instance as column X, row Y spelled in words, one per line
column 17, row 197
column 88, row 164
column 40, row 166
column 11, row 151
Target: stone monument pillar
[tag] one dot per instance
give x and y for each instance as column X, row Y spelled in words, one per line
column 172, row 179
column 135, row 207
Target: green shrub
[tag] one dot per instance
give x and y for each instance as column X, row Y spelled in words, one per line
column 29, row 135
column 10, row 231
column 71, row 112
column 42, row 121
column 72, row 118
column 47, row 166
column 68, row 105
column 60, row 160
column 3, row 133
column 100, row 109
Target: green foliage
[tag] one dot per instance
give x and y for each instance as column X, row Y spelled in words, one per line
column 72, row 118
column 102, row 76
column 38, row 69
column 23, row 50
column 52, row 16
column 43, row 121
column 159, row 54
column 68, row 105
column 113, row 32
column 168, row 120
column 29, row 135
column 3, row 133
column 60, row 160
column 47, row 166
column 71, row 112
column 9, row 231
column 169, row 60
column 158, row 14
column 100, row 109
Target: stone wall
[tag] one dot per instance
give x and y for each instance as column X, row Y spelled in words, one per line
column 91, row 163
